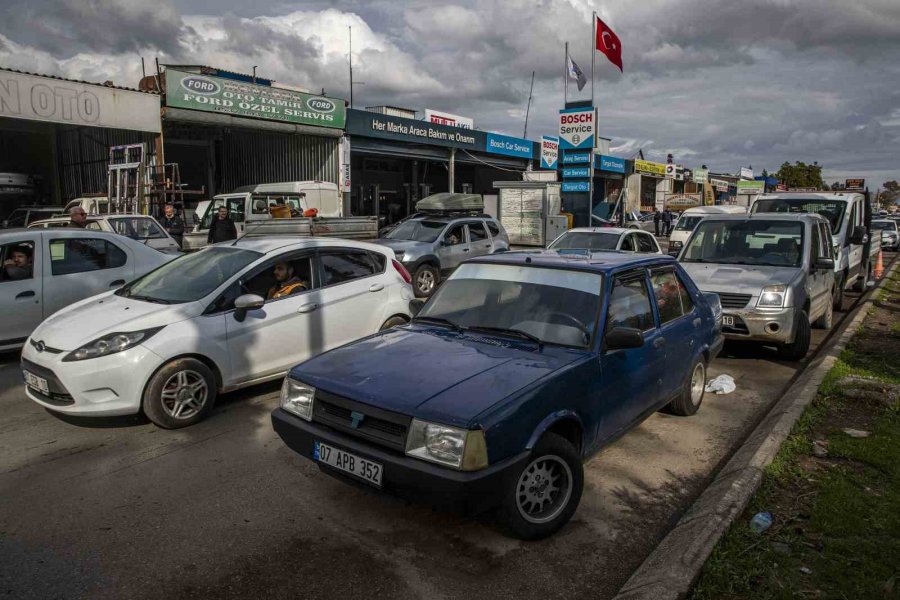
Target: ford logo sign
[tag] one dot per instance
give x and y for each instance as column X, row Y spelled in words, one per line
column 200, row 85
column 321, row 105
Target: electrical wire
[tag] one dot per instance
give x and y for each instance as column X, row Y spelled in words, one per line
column 490, row 165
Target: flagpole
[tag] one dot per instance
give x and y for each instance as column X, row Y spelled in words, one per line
column 566, row 77
column 594, row 108
column 593, row 53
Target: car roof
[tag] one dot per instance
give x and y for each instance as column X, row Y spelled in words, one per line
column 442, row 218
column 767, row 216
column 272, row 243
column 599, row 262
column 845, row 196
column 613, row 230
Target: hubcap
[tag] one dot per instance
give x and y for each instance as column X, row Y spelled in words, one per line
column 184, row 394
column 698, row 381
column 544, row 489
column 425, row 281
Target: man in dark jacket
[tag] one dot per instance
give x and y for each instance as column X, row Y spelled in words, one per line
column 657, row 219
column 222, row 228
column 667, row 219
column 77, row 218
column 173, row 224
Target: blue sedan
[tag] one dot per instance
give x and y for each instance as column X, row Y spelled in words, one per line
column 521, row 367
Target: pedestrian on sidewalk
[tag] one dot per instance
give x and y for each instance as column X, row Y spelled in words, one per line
column 222, row 229
column 173, row 224
column 667, row 219
column 657, row 219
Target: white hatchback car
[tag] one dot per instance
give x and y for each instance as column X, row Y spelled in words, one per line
column 169, row 342
column 599, row 239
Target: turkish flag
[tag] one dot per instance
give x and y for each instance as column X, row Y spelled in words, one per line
column 608, row 43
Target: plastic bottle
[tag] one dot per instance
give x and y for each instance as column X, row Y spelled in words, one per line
column 760, row 522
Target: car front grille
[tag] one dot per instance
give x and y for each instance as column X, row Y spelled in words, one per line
column 734, row 300
column 376, row 425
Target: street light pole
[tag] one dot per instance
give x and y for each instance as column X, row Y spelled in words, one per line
column 254, row 73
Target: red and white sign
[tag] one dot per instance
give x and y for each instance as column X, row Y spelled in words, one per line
column 442, row 118
column 577, row 128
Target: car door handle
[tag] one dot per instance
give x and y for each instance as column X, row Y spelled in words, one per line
column 376, row 287
column 697, row 322
column 117, row 283
column 659, row 342
column 28, row 294
column 465, row 249
column 307, row 308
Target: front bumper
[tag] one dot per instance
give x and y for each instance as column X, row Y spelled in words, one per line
column 773, row 325
column 98, row 387
column 466, row 491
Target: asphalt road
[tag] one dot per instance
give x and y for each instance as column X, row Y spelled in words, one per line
column 116, row 508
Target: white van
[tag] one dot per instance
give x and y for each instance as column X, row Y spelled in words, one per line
column 689, row 219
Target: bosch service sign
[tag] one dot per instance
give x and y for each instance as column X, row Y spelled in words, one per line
column 549, row 152
column 577, row 128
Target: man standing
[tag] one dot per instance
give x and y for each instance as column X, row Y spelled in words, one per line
column 77, row 218
column 222, row 228
column 667, row 218
column 657, row 218
column 173, row 224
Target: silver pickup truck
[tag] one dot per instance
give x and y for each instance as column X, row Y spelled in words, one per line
column 774, row 274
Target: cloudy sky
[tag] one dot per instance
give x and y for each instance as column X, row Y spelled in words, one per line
column 717, row 82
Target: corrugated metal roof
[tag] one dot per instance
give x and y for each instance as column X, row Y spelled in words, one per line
column 116, row 87
column 259, row 79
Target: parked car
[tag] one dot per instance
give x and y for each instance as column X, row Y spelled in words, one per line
column 431, row 247
column 210, row 322
column 513, row 374
column 95, row 205
column 890, row 233
column 26, row 215
column 598, row 239
column 67, row 265
column 140, row 228
column 689, row 219
column 774, row 274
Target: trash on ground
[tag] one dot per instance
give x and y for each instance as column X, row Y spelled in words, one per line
column 806, row 570
column 820, row 449
column 857, row 433
column 760, row 522
column 723, row 384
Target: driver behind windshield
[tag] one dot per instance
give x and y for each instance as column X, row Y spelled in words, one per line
column 286, row 283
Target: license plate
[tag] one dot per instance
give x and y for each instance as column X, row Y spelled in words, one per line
column 349, row 463
column 38, row 383
column 727, row 321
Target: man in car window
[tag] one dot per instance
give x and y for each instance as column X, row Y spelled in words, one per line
column 286, row 283
column 18, row 266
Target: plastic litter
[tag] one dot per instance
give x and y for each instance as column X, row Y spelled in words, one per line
column 806, row 570
column 820, row 449
column 857, row 433
column 723, row 384
column 760, row 522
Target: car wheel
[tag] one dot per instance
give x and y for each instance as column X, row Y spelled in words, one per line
column 837, row 296
column 180, row 394
column 545, row 493
column 425, row 281
column 692, row 391
column 827, row 319
column 393, row 322
column 797, row 349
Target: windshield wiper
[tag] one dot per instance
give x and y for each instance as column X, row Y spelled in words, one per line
column 440, row 321
column 149, row 299
column 510, row 331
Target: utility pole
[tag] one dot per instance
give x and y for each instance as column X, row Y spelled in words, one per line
column 254, row 73
column 350, row 56
column 528, row 108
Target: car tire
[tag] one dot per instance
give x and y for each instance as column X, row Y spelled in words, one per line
column 837, row 297
column 797, row 349
column 180, row 394
column 826, row 321
column 692, row 391
column 860, row 284
column 425, row 281
column 553, row 459
column 393, row 322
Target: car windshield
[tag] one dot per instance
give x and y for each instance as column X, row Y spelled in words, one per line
column 772, row 243
column 586, row 240
column 417, row 231
column 136, row 228
column 688, row 222
column 833, row 210
column 555, row 306
column 884, row 225
column 190, row 277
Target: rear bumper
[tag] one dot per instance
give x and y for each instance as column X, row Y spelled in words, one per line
column 470, row 492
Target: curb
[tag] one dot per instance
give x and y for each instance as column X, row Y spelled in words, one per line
column 670, row 571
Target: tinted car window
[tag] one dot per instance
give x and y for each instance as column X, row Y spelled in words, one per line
column 494, row 229
column 455, row 236
column 629, row 304
column 645, row 243
column 81, row 255
column 477, row 232
column 380, row 261
column 417, row 231
column 668, row 291
column 136, row 228
column 586, row 240
column 346, row 266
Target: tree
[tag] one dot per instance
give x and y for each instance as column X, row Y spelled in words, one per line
column 801, row 175
column 890, row 194
column 765, row 174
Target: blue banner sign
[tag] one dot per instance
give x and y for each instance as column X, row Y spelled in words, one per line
column 576, row 186
column 576, row 172
column 576, row 158
column 612, row 164
column 509, row 146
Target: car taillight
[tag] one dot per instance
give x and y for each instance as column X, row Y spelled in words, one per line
column 402, row 270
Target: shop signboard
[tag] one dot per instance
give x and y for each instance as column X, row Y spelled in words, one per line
column 576, row 172
column 700, row 175
column 576, row 158
column 345, row 164
column 746, row 173
column 577, row 128
column 751, row 187
column 509, row 146
column 228, row 96
column 576, row 186
column 375, row 125
column 709, row 195
column 36, row 98
column 855, row 184
column 720, row 184
column 613, row 164
column 442, row 118
column 683, row 201
column 670, row 171
column 781, row 188
column 649, row 167
column 549, row 152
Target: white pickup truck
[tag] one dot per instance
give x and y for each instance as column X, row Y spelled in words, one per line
column 257, row 210
column 850, row 217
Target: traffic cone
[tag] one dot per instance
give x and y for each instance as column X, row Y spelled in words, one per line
column 879, row 266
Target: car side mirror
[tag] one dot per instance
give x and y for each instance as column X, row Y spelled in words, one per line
column 824, row 264
column 858, row 235
column 245, row 303
column 622, row 338
column 415, row 306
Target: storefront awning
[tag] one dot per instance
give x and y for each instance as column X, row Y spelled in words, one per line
column 182, row 115
column 422, row 152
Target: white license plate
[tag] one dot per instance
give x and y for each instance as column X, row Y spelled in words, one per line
column 38, row 383
column 349, row 463
column 727, row 321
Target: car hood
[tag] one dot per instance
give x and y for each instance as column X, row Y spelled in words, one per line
column 432, row 373
column 406, row 246
column 738, row 279
column 94, row 317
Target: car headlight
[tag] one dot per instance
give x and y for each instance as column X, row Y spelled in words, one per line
column 772, row 295
column 461, row 449
column 675, row 245
column 297, row 398
column 110, row 344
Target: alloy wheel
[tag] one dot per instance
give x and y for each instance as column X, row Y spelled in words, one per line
column 425, row 281
column 698, row 383
column 544, row 489
column 184, row 394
